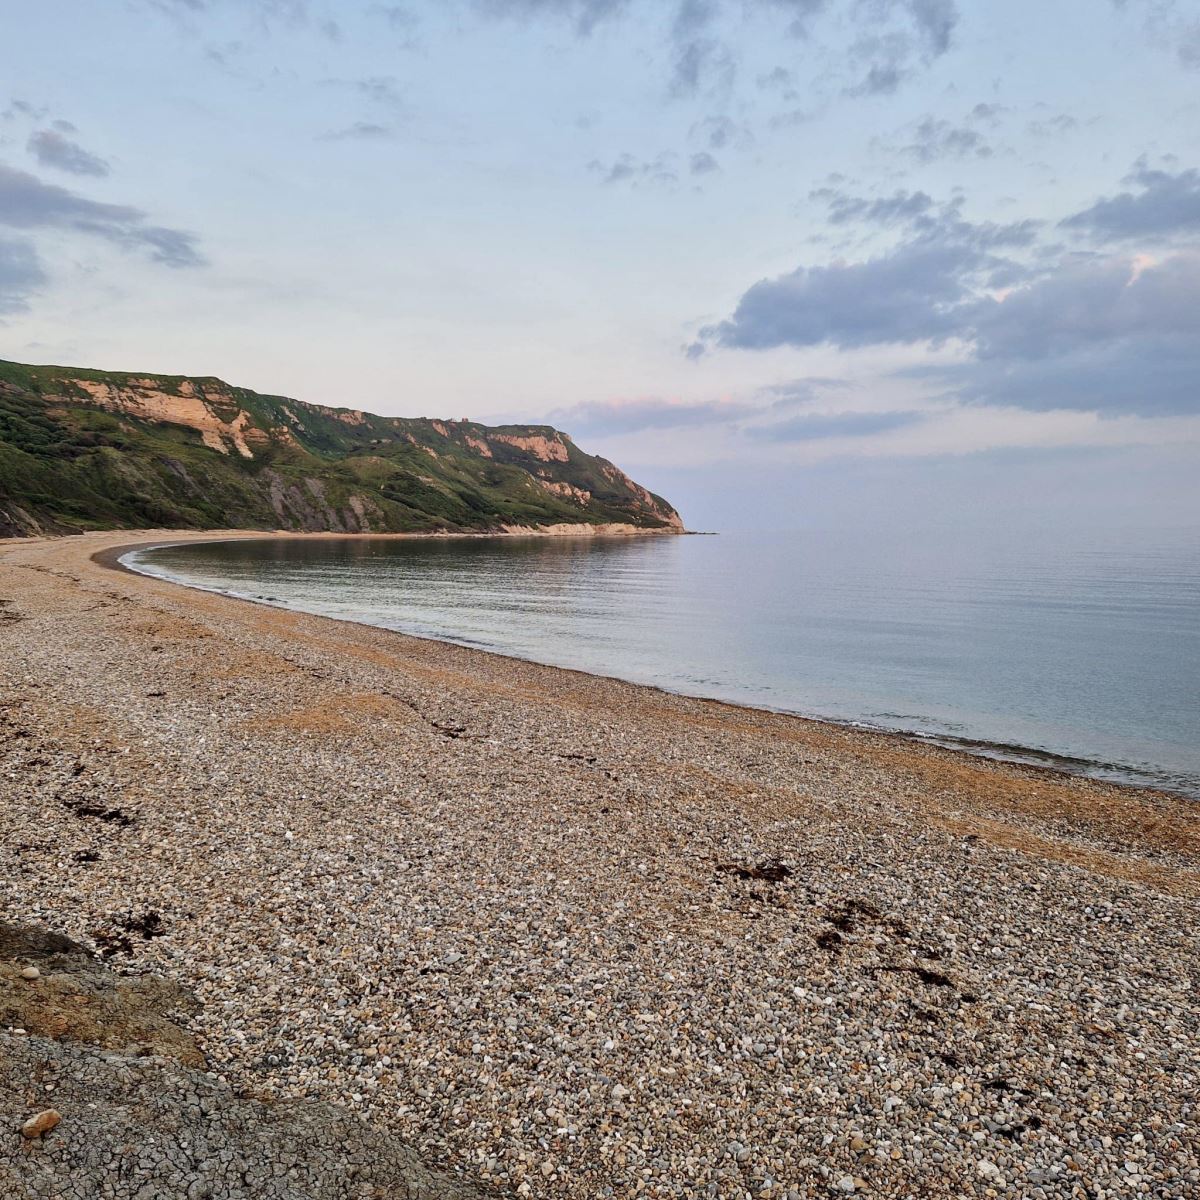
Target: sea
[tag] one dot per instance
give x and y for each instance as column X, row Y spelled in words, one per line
column 1078, row 654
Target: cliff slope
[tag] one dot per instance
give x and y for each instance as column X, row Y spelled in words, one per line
column 83, row 449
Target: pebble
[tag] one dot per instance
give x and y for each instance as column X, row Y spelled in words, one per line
column 31, row 973
column 41, row 1123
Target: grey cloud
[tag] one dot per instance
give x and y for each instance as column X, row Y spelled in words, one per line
column 1172, row 24
column 990, row 113
column 935, row 289
column 910, row 294
column 935, row 21
column 934, row 139
column 918, row 212
column 1050, row 126
column 882, row 79
column 815, row 426
column 891, row 55
column 366, row 131
column 396, row 15
column 52, row 149
column 1093, row 302
column 1165, row 205
column 780, row 77
column 801, row 13
column 790, row 119
column 703, row 164
column 758, row 421
column 1189, row 48
column 888, row 57
column 20, row 273
column 585, row 15
column 379, row 89
column 22, row 108
column 702, row 62
column 902, row 34
column 627, row 169
column 902, row 207
column 1106, row 334
column 614, row 417
column 721, row 133
column 267, row 15
column 1149, row 376
column 799, row 393
column 28, row 203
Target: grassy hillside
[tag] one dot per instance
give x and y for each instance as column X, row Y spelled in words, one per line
column 83, row 449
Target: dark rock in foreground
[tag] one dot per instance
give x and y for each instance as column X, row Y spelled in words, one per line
column 138, row 1123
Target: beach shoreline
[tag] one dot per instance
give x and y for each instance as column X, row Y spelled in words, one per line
column 1034, row 758
column 566, row 933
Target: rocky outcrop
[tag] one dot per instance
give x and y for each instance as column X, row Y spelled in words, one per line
column 102, row 1093
column 188, row 406
column 547, row 449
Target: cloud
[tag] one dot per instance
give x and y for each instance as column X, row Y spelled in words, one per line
column 1093, row 302
column 28, row 203
column 722, row 133
column 52, row 149
column 585, row 15
column 615, row 417
column 1172, row 25
column 923, row 217
column 399, row 17
column 379, row 89
column 922, row 32
column 21, row 273
column 267, row 16
column 1150, row 376
column 1051, row 126
column 1035, row 326
column 778, row 77
column 1164, row 206
column 896, row 35
column 703, row 164
column 800, row 12
column 990, row 113
column 917, row 291
column 906, row 295
column 795, row 411
column 935, row 21
column 366, row 131
column 814, row 426
column 935, row 139
column 901, row 207
column 628, row 169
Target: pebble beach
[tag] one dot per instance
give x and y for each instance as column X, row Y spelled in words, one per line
column 570, row 937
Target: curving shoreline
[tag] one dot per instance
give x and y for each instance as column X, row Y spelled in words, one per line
column 1011, row 752
column 433, row 885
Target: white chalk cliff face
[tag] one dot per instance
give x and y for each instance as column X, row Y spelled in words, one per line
column 189, row 408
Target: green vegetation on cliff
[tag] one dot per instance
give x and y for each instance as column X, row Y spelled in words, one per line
column 83, row 449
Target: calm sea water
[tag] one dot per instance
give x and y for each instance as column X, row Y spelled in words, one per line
column 1088, row 653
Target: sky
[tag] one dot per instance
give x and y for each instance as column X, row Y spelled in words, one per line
column 788, row 262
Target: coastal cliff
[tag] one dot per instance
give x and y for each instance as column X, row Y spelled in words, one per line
column 82, row 449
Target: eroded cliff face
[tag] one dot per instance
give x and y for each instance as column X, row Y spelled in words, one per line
column 188, row 407
column 653, row 504
column 88, row 449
